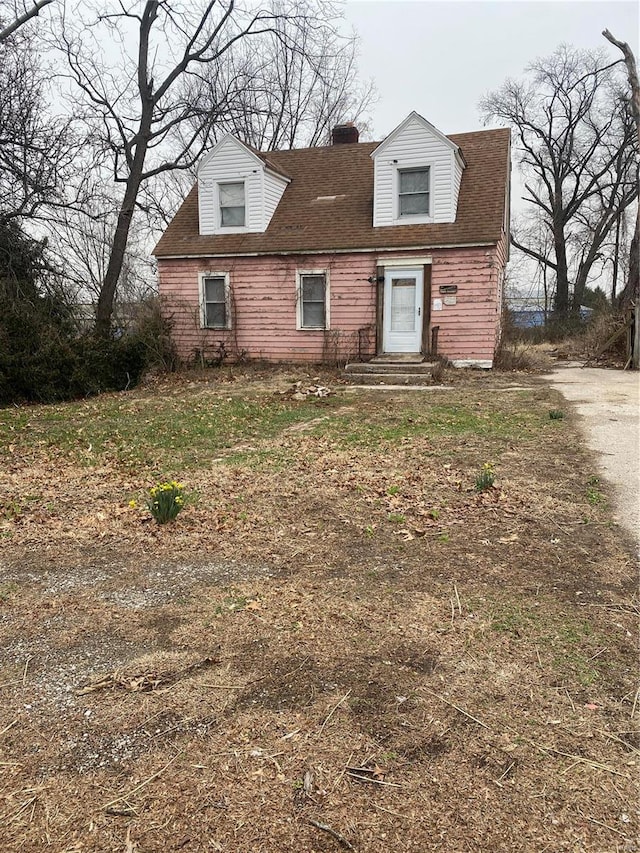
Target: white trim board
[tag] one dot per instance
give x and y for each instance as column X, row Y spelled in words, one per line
column 480, row 363
column 403, row 262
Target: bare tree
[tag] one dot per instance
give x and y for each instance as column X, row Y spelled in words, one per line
column 135, row 109
column 536, row 274
column 81, row 240
column 574, row 139
column 632, row 288
column 22, row 19
column 288, row 88
column 37, row 149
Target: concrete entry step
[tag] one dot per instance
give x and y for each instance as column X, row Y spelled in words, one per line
column 388, row 368
column 398, row 358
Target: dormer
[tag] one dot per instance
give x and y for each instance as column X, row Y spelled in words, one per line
column 238, row 189
column 417, row 175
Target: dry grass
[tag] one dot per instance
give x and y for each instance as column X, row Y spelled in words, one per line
column 339, row 644
column 598, row 343
column 523, row 356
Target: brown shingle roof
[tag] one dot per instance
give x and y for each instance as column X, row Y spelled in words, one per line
column 303, row 223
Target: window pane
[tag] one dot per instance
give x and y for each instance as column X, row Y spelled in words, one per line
column 232, row 195
column 313, row 301
column 232, row 216
column 414, row 181
column 216, row 315
column 214, row 290
column 403, row 305
column 313, row 288
column 232, row 204
column 418, row 203
column 313, row 315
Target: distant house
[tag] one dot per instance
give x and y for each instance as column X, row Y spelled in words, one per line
column 531, row 313
column 345, row 251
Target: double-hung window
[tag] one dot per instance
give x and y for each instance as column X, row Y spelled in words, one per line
column 215, row 300
column 413, row 192
column 313, row 299
column 232, row 204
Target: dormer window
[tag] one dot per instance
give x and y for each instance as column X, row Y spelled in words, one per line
column 232, row 204
column 239, row 189
column 413, row 192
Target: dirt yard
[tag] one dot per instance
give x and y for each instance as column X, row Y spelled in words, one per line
column 340, row 643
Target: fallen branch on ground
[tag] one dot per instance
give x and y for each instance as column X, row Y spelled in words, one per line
column 144, row 682
column 125, row 797
column 333, row 833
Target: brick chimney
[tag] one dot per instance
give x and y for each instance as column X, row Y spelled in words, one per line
column 343, row 134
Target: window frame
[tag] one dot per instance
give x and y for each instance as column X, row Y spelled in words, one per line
column 409, row 217
column 202, row 278
column 299, row 302
column 228, row 182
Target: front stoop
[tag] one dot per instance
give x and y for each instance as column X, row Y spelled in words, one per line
column 387, row 370
column 399, row 358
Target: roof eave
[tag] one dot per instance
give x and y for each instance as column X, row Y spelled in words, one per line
column 272, row 170
column 343, row 251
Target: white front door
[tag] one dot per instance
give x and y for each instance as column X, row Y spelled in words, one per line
column 402, row 312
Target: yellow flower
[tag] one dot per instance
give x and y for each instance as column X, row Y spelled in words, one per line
column 133, row 504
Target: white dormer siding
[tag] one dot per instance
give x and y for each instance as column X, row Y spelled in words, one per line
column 231, row 162
column 458, row 166
column 274, row 186
column 416, row 144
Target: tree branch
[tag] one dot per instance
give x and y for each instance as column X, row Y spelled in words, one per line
column 28, row 15
column 533, row 254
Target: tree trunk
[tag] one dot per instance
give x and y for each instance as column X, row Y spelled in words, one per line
column 631, row 292
column 616, row 263
column 561, row 303
column 104, row 308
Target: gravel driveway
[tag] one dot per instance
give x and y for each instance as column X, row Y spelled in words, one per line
column 609, row 403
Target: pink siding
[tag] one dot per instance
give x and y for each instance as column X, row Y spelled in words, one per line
column 264, row 305
column 469, row 329
column 502, row 255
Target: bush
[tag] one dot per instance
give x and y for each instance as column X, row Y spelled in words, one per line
column 153, row 329
column 58, row 369
column 35, row 322
column 106, row 365
column 42, row 358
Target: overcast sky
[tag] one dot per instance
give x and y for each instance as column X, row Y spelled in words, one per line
column 440, row 58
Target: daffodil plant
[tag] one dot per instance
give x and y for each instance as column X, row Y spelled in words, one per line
column 165, row 501
column 486, row 477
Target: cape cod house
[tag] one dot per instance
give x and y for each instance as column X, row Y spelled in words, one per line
column 346, row 251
